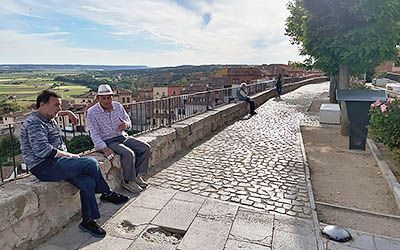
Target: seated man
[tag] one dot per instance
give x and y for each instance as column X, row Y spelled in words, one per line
column 107, row 121
column 46, row 156
column 242, row 95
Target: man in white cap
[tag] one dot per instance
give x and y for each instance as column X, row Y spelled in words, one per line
column 107, row 121
column 242, row 95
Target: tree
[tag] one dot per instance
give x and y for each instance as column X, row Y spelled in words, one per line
column 345, row 36
column 9, row 146
column 7, row 107
column 79, row 143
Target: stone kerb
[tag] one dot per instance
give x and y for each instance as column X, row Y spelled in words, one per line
column 32, row 211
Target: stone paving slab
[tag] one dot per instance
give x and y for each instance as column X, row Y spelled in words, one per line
column 291, row 241
column 154, row 198
column 253, row 227
column 109, row 242
column 386, row 244
column 294, row 225
column 177, row 215
column 240, row 245
column 206, row 234
column 214, row 209
column 131, row 222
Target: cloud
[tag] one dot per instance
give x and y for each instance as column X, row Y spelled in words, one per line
column 202, row 32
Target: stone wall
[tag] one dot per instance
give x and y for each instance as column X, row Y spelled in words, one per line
column 32, row 211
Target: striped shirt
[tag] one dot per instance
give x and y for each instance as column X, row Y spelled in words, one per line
column 40, row 138
column 103, row 125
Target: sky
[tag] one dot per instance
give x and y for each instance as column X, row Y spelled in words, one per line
column 154, row 33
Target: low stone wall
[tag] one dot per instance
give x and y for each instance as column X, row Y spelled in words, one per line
column 32, row 211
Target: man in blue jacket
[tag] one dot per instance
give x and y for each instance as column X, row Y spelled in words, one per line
column 46, row 156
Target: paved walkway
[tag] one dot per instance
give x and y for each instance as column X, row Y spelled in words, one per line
column 244, row 188
column 256, row 162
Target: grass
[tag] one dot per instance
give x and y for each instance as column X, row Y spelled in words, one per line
column 24, row 87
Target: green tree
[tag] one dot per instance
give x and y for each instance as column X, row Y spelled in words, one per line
column 79, row 144
column 7, row 107
column 9, row 146
column 345, row 36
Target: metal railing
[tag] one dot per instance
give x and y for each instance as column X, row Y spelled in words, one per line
column 154, row 114
column 145, row 116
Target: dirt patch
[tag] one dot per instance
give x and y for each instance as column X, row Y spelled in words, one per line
column 316, row 104
column 348, row 178
column 390, row 159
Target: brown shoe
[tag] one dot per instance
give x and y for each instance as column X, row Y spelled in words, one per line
column 132, row 187
column 142, row 183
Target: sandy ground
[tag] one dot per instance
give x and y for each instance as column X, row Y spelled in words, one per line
column 349, row 178
column 390, row 160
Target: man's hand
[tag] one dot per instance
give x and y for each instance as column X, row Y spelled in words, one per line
column 123, row 125
column 108, row 153
column 70, row 114
column 66, row 154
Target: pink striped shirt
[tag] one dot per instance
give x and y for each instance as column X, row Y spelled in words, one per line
column 103, row 125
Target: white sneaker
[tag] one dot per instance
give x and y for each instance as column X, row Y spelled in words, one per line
column 132, row 187
column 142, row 183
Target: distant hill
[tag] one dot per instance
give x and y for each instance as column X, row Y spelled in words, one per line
column 183, row 69
column 65, row 68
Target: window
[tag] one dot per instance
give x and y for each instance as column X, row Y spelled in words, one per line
column 123, row 99
column 128, row 99
column 174, row 93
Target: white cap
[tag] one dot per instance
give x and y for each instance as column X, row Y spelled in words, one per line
column 104, row 89
column 243, row 84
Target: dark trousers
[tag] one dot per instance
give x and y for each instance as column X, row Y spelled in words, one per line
column 278, row 89
column 84, row 173
column 134, row 154
column 252, row 105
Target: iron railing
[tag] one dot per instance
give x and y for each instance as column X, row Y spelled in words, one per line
column 145, row 116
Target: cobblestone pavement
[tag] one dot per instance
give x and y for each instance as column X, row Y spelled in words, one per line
column 256, row 162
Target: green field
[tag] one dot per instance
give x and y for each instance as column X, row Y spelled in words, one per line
column 23, row 88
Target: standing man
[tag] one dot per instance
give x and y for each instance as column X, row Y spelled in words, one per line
column 46, row 156
column 107, row 121
column 278, row 86
column 242, row 95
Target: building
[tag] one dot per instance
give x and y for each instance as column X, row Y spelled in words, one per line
column 145, row 94
column 174, row 90
column 236, row 75
column 166, row 90
column 388, row 66
column 84, row 98
column 123, row 96
column 273, row 70
column 13, row 117
column 160, row 92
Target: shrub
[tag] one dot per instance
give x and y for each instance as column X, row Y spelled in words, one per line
column 79, row 143
column 385, row 124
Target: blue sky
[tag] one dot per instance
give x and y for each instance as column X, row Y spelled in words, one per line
column 140, row 32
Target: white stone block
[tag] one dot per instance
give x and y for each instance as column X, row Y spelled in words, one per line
column 329, row 113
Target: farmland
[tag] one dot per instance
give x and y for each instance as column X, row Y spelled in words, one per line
column 22, row 88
